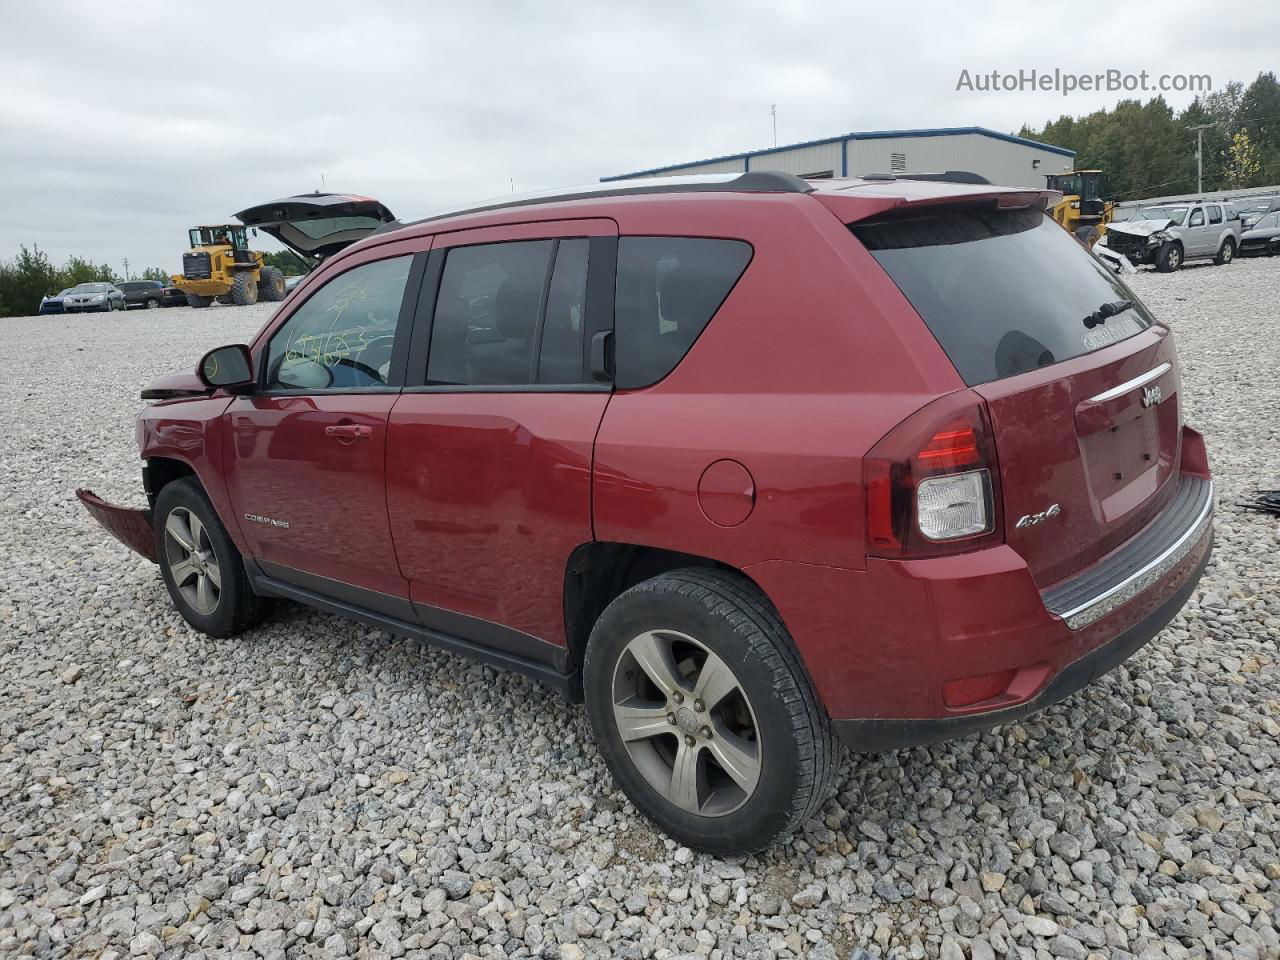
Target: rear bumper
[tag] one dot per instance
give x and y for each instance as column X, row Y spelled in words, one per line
column 876, row 735
column 129, row 525
column 910, row 652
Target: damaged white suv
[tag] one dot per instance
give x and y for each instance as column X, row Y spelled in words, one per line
column 1168, row 236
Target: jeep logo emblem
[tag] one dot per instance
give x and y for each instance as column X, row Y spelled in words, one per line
column 1031, row 519
column 1151, row 396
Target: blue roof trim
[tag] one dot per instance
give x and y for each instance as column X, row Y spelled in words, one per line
column 862, row 135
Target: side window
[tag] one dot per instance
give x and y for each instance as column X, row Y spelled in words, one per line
column 343, row 335
column 1197, row 218
column 510, row 314
column 560, row 357
column 668, row 289
column 486, row 313
column 1215, row 214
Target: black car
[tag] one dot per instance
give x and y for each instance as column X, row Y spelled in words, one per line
column 151, row 294
column 1262, row 238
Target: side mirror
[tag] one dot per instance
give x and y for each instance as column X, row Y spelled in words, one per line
column 227, row 367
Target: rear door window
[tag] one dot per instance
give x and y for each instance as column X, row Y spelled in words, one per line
column 511, row 314
column 1003, row 291
column 667, row 290
column 1215, row 214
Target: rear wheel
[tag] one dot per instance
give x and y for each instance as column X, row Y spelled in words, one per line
column 271, row 284
column 704, row 713
column 244, row 289
column 195, row 300
column 1169, row 258
column 1226, row 253
column 200, row 565
column 152, row 303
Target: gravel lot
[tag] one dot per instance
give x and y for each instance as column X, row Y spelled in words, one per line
column 316, row 789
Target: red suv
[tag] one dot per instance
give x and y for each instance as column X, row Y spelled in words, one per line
column 750, row 464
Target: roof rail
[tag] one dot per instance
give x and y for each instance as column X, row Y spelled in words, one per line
column 947, row 176
column 755, row 181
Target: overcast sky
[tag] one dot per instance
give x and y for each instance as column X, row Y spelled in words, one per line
column 123, row 123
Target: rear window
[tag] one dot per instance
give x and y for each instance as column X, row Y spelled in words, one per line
column 1003, row 291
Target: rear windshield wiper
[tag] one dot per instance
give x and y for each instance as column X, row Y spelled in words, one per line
column 1106, row 310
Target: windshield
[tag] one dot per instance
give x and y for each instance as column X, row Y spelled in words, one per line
column 90, row 288
column 1176, row 214
column 1003, row 291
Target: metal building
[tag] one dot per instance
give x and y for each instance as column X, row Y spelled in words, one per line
column 1000, row 157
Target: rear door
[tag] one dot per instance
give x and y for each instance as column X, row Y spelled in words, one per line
column 318, row 225
column 490, row 445
column 1083, row 398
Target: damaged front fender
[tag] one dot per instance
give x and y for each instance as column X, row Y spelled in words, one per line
column 129, row 525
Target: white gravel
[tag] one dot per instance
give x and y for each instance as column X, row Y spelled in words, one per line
column 316, row 789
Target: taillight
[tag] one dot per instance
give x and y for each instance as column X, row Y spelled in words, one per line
column 932, row 482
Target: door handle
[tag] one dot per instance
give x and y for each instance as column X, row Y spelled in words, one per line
column 349, row 431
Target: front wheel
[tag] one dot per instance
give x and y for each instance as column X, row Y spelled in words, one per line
column 704, row 713
column 201, row 567
column 244, row 289
column 1226, row 253
column 1169, row 258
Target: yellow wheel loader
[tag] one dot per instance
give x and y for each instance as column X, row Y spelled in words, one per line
column 220, row 266
column 1082, row 211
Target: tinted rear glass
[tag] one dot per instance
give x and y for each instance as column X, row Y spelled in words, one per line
column 668, row 289
column 1003, row 291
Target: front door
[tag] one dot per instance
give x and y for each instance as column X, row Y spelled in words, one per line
column 489, row 446
column 1197, row 245
column 306, row 453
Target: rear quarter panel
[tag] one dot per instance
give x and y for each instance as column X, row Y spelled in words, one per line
column 812, row 358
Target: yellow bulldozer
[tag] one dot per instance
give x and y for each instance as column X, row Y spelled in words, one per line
column 220, row 266
column 1083, row 210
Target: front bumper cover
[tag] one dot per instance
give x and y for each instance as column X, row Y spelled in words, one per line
column 129, row 525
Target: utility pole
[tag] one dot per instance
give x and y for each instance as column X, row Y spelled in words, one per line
column 773, row 110
column 1200, row 154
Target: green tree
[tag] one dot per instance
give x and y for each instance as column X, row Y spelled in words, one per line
column 155, row 273
column 24, row 280
column 1243, row 164
column 289, row 262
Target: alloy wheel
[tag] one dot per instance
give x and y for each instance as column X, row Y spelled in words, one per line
column 686, row 723
column 192, row 561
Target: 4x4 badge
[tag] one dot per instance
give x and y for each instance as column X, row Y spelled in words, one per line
column 1031, row 519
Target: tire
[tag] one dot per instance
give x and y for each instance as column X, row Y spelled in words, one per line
column 785, row 746
column 271, row 284
column 244, row 289
column 152, row 303
column 210, row 589
column 1088, row 236
column 1169, row 258
column 195, row 300
column 1226, row 253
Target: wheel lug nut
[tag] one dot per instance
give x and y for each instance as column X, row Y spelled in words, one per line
column 678, row 697
column 699, row 705
column 671, row 718
column 689, row 740
column 706, row 732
